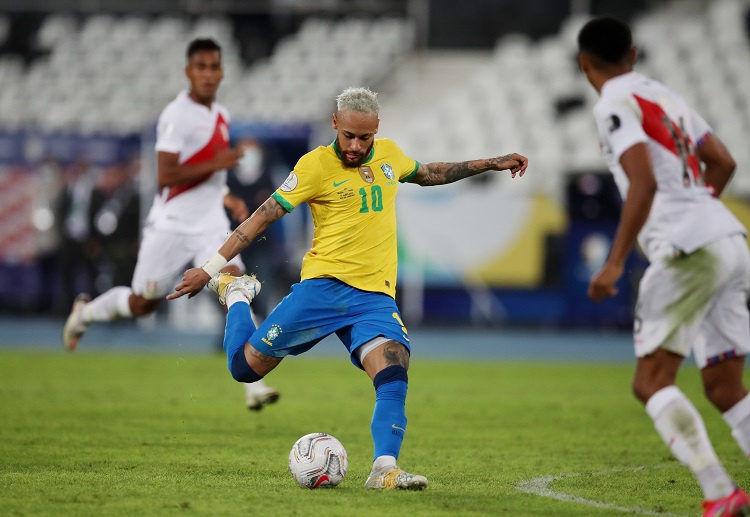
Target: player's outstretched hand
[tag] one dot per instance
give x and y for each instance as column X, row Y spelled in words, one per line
column 515, row 162
column 192, row 282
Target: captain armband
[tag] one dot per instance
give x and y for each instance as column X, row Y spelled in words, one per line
column 214, row 265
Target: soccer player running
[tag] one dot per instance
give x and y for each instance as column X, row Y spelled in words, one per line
column 187, row 220
column 348, row 279
column 670, row 168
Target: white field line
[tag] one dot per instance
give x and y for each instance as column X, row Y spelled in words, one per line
column 540, row 486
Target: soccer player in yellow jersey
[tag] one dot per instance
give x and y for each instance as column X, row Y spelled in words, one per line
column 348, row 279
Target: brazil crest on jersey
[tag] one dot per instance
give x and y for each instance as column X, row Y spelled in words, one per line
column 354, row 213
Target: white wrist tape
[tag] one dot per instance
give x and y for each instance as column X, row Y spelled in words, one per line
column 214, row 265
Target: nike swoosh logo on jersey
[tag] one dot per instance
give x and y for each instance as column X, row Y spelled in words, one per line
column 339, row 183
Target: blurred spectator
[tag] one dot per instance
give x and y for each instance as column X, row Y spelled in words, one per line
column 78, row 249
column 46, row 222
column 251, row 178
column 115, row 207
column 253, row 181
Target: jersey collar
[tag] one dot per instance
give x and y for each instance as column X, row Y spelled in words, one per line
column 335, row 145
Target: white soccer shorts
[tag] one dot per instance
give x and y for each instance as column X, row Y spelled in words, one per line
column 696, row 303
column 163, row 257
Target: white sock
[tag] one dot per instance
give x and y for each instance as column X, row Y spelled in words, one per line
column 109, row 306
column 234, row 297
column 382, row 462
column 682, row 429
column 738, row 418
column 255, row 387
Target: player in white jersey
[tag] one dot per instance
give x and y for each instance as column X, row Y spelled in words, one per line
column 670, row 169
column 187, row 221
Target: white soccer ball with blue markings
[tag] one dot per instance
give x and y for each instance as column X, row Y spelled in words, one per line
column 318, row 460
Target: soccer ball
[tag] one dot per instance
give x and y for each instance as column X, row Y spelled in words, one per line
column 318, row 460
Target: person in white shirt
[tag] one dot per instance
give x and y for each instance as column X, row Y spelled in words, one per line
column 187, row 221
column 670, row 169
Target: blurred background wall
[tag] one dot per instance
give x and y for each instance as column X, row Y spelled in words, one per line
column 83, row 81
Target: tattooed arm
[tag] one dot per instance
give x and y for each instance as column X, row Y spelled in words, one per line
column 253, row 226
column 194, row 279
column 442, row 173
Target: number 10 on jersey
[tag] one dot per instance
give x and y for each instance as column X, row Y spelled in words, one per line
column 376, row 199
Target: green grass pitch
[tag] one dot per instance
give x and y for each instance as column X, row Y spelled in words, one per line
column 146, row 434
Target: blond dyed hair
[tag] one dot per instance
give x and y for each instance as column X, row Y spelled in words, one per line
column 358, row 99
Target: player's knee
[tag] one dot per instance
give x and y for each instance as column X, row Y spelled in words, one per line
column 396, row 353
column 241, row 371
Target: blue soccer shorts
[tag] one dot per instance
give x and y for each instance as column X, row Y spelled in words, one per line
column 318, row 307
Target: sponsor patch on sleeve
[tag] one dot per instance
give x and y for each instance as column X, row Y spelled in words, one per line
column 290, row 183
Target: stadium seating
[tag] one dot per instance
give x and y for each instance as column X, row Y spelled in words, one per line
column 115, row 74
column 529, row 95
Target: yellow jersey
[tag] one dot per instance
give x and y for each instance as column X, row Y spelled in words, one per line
column 354, row 213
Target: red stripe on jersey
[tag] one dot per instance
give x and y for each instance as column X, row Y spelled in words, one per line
column 659, row 127
column 218, row 142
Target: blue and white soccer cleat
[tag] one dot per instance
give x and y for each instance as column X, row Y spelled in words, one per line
column 224, row 283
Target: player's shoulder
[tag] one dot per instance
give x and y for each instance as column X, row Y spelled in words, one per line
column 313, row 159
column 619, row 94
column 386, row 146
column 385, row 143
column 176, row 109
column 613, row 91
